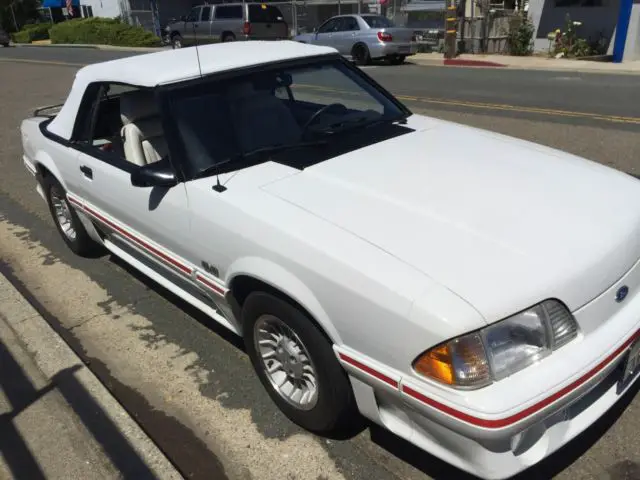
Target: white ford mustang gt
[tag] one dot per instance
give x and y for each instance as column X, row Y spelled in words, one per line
column 479, row 301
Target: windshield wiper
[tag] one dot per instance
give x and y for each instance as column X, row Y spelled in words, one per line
column 282, row 148
column 241, row 157
column 358, row 123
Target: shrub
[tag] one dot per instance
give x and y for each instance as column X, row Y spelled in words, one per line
column 32, row 32
column 520, row 39
column 567, row 42
column 104, row 31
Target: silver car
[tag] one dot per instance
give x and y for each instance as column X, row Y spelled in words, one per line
column 4, row 38
column 228, row 22
column 364, row 38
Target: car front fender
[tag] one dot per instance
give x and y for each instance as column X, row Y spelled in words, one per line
column 286, row 282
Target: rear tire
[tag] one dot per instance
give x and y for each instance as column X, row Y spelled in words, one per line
column 361, row 55
column 300, row 358
column 228, row 37
column 66, row 219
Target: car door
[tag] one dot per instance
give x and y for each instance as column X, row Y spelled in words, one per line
column 325, row 34
column 348, row 35
column 227, row 23
column 151, row 224
column 204, row 27
column 189, row 34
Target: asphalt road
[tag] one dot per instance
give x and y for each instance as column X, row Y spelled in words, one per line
column 482, row 90
column 188, row 382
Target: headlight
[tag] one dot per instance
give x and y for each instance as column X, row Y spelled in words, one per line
column 499, row 350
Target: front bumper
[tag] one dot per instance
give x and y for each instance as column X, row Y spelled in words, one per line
column 500, row 430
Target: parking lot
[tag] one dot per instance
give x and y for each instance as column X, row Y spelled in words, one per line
column 188, row 382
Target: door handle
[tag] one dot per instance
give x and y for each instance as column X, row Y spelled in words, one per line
column 86, row 171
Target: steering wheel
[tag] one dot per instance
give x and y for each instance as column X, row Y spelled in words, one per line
column 317, row 114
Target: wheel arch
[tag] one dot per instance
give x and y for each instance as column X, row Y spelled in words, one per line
column 256, row 274
column 46, row 167
column 359, row 43
column 227, row 33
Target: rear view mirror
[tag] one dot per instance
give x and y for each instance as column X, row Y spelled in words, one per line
column 156, row 174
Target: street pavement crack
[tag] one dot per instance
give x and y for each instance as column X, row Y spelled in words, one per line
column 85, row 321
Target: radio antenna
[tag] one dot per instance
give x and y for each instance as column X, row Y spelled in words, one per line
column 218, row 187
column 195, row 36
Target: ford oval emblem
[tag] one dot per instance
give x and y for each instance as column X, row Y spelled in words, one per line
column 622, row 293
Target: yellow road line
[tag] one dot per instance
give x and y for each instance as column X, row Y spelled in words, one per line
column 41, row 62
column 429, row 100
column 497, row 106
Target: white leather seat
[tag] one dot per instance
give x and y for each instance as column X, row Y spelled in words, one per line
column 142, row 136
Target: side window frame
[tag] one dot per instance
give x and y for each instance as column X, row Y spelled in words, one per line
column 85, row 125
column 209, row 9
column 229, row 8
column 324, row 24
column 197, row 11
column 351, row 24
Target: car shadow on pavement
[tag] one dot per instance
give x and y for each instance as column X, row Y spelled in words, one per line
column 405, row 451
column 546, row 469
column 20, row 393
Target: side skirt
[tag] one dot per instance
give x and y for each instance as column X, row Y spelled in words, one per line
column 185, row 292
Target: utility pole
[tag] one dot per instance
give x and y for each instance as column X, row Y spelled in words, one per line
column 13, row 14
column 450, row 30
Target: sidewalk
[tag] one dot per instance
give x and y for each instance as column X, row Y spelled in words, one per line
column 527, row 63
column 57, row 421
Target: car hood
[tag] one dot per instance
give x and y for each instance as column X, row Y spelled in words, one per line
column 501, row 222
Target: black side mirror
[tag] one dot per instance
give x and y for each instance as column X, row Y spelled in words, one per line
column 156, row 174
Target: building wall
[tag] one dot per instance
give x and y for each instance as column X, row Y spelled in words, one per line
column 104, row 8
column 632, row 45
column 596, row 21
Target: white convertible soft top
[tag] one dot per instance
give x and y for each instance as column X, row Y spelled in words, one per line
column 170, row 66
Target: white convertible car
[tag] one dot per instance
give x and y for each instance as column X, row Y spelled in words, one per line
column 481, row 302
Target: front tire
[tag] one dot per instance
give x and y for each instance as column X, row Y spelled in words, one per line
column 176, row 41
column 66, row 219
column 228, row 37
column 296, row 364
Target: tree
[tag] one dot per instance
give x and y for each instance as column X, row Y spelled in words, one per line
column 24, row 11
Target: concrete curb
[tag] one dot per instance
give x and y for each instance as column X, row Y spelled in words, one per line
column 545, row 68
column 471, row 63
column 92, row 47
column 51, row 354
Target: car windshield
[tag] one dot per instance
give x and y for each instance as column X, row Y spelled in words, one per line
column 377, row 21
column 254, row 117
